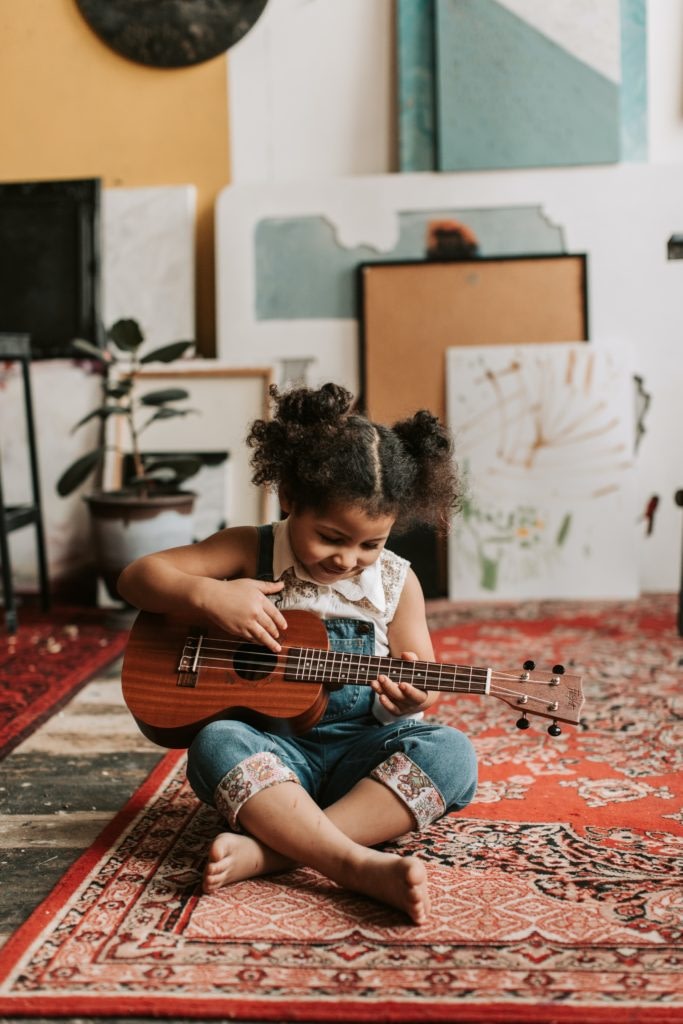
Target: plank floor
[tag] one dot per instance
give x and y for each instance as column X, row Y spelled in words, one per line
column 61, row 786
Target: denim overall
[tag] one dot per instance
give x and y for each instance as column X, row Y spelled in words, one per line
column 431, row 767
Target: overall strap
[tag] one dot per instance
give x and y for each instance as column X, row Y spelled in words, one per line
column 264, row 564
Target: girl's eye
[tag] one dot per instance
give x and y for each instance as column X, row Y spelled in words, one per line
column 371, row 547
column 329, row 540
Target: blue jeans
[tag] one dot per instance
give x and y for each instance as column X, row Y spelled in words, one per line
column 432, row 768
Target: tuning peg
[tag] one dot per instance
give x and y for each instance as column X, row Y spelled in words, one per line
column 554, row 729
column 522, row 723
column 558, row 670
column 529, row 666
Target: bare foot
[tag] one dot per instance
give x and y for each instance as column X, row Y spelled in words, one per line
column 399, row 881
column 233, row 857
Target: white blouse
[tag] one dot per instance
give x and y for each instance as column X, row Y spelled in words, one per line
column 372, row 596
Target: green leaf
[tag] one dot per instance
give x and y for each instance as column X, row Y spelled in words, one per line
column 161, row 397
column 563, row 530
column 167, row 412
column 79, row 471
column 126, row 335
column 119, row 390
column 168, row 353
column 104, row 412
column 163, row 475
column 89, row 349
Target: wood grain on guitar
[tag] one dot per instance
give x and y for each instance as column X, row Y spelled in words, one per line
column 177, row 678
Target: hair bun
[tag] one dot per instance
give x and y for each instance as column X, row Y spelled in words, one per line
column 306, row 406
column 423, row 434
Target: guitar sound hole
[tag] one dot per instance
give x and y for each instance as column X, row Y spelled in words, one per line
column 252, row 662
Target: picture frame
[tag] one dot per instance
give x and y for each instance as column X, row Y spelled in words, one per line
column 410, row 312
column 227, row 399
column 50, row 261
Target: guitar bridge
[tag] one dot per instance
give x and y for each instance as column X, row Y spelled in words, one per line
column 188, row 665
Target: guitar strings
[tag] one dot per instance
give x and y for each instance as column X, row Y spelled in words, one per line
column 433, row 668
column 495, row 691
column 326, row 674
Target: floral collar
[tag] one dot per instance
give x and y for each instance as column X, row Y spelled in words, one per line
column 368, row 584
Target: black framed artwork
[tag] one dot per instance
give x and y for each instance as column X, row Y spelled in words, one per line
column 50, row 256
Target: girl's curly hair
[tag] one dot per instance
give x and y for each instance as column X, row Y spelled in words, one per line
column 318, row 450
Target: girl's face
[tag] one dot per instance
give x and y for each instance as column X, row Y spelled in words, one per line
column 338, row 543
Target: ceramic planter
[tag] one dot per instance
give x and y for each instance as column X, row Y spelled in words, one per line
column 126, row 526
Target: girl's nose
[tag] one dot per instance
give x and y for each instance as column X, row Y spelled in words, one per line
column 345, row 559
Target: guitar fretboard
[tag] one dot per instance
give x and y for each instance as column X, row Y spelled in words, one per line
column 336, row 669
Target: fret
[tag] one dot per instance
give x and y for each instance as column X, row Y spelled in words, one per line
column 419, row 674
column 337, row 668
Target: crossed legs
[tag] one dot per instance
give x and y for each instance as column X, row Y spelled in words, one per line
column 283, row 826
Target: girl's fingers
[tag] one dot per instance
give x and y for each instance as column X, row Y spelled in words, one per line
column 274, row 614
column 261, row 635
column 390, row 690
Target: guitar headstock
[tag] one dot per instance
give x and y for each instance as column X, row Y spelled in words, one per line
column 556, row 695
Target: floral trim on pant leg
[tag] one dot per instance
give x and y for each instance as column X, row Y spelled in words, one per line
column 250, row 776
column 412, row 786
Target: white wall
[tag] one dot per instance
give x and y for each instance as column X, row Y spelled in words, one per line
column 310, row 91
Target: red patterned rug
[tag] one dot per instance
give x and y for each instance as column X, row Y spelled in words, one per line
column 558, row 894
column 45, row 662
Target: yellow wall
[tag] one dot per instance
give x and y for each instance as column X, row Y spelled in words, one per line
column 72, row 108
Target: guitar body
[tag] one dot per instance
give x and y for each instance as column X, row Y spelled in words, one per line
column 171, row 706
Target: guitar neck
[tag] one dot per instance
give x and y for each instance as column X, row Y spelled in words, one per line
column 336, row 669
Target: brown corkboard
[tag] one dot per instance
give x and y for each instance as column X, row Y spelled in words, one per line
column 411, row 312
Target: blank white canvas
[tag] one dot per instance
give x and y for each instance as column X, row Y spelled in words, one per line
column 545, row 438
column 148, row 255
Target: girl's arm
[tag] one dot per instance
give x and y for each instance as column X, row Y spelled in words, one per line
column 408, row 638
column 212, row 579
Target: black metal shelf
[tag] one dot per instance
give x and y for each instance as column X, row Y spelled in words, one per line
column 17, row 347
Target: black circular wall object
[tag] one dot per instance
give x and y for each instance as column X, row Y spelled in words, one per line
column 170, row 33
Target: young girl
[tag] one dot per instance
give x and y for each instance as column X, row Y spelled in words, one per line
column 372, row 769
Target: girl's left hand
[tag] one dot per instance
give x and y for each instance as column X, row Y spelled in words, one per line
column 401, row 698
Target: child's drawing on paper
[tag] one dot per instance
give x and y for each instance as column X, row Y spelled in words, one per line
column 525, row 537
column 546, row 436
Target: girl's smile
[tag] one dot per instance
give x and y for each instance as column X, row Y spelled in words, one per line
column 338, row 543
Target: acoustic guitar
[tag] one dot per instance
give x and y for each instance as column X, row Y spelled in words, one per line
column 176, row 679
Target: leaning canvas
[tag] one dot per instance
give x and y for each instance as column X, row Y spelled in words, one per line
column 545, row 441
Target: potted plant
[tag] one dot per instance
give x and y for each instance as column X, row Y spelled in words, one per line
column 151, row 509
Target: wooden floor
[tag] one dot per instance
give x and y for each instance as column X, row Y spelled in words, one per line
column 59, row 789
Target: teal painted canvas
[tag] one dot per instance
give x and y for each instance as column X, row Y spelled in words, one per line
column 302, row 272
column 415, row 85
column 600, row 74
column 525, row 85
column 633, row 80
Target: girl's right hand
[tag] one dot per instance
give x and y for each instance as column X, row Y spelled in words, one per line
column 242, row 607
